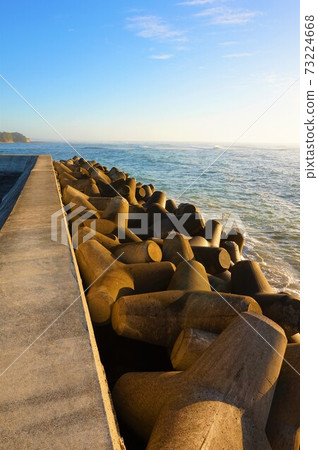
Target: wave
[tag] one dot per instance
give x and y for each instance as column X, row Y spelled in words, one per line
column 279, row 273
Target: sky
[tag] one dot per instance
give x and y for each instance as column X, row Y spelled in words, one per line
column 151, row 70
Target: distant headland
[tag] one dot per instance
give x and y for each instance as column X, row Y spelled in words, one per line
column 10, row 138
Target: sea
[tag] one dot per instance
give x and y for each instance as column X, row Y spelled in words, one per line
column 253, row 187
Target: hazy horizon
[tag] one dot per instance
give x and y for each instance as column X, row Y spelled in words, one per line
column 290, row 145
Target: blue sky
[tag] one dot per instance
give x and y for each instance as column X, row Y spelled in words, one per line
column 154, row 70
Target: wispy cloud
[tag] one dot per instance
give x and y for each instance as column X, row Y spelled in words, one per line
column 166, row 56
column 237, row 55
column 225, row 16
column 154, row 27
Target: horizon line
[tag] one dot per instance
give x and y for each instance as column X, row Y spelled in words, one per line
column 128, row 141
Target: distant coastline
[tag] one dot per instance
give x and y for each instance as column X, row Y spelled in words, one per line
column 12, row 138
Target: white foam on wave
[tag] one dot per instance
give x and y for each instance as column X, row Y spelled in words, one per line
column 279, row 273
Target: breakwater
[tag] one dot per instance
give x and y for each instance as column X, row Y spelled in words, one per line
column 197, row 332
column 235, row 187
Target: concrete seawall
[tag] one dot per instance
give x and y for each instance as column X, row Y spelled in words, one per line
column 54, row 392
column 21, row 166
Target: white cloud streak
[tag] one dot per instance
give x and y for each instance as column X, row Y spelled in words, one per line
column 154, row 27
column 226, row 16
column 162, row 57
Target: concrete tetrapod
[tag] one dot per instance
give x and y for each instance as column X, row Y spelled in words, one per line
column 284, row 418
column 70, row 192
column 148, row 191
column 219, row 285
column 221, row 402
column 176, row 249
column 140, row 193
column 84, row 233
column 191, row 218
column 189, row 346
column 158, row 241
column 138, row 252
column 199, row 241
column 217, row 229
column 161, row 222
column 156, row 213
column 107, row 189
column 105, row 226
column 158, row 197
column 82, row 206
column 88, row 186
column 294, row 339
column 248, row 279
column 213, row 231
column 171, row 206
column 136, row 213
column 159, row 317
column 225, row 276
column 117, row 210
column 98, row 175
column 233, row 249
column 128, row 190
column 110, row 279
column 100, row 203
column 61, row 168
column 91, row 189
column 190, row 276
column 116, row 174
column 237, row 236
column 66, row 179
column 284, row 309
column 214, row 259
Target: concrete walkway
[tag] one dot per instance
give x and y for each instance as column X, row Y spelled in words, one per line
column 55, row 395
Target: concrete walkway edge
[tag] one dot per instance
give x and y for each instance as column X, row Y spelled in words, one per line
column 55, row 395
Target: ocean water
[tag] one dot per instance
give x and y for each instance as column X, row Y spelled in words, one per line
column 255, row 188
